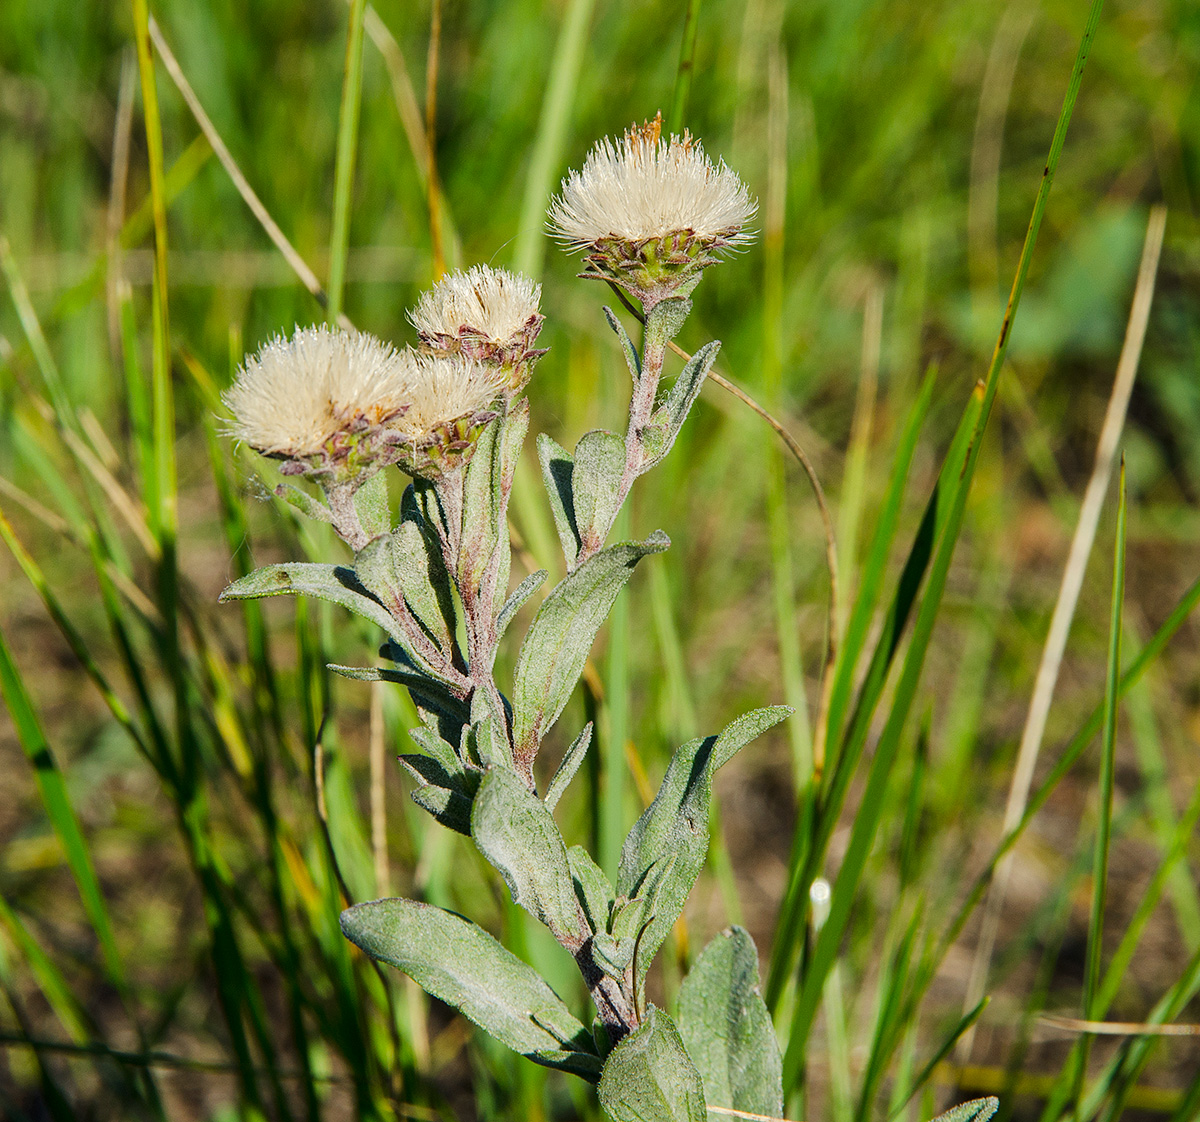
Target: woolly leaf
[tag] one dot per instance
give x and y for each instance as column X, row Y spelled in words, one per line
column 481, row 505
column 519, row 836
column 371, row 503
column 596, row 485
column 557, row 470
column 517, row 600
column 569, row 766
column 977, row 1110
column 424, row 582
column 659, row 435
column 727, row 1030
column 303, row 502
column 462, row 965
column 676, row 824
column 666, row 318
column 335, row 583
column 451, row 808
column 592, row 890
column 649, row 1076
column 561, row 635
column 436, row 748
column 627, row 348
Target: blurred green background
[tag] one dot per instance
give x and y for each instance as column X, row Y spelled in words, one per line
column 895, row 149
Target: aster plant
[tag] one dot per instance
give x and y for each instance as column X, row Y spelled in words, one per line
column 649, row 215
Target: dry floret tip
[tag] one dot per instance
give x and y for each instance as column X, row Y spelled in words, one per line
column 650, row 213
column 490, row 315
column 320, row 401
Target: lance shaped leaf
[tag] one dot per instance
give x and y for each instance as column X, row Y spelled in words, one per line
column 627, row 348
column 519, row 836
column 558, row 468
column 518, row 599
column 371, row 503
column 977, row 1110
column 424, row 581
column 303, row 502
column 335, row 583
column 442, row 752
column 481, row 502
column 727, row 1030
column 676, row 825
column 561, row 635
column 649, row 1076
column 596, row 484
column 569, row 766
column 450, row 808
column 462, row 965
column 659, row 435
column 594, row 893
column 666, row 318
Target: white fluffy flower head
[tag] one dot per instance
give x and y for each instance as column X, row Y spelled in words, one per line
column 493, row 304
column 644, row 187
column 450, row 398
column 486, row 314
column 299, row 398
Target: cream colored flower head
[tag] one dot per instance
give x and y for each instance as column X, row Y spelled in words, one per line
column 487, row 314
column 306, row 398
column 645, row 188
column 450, row 398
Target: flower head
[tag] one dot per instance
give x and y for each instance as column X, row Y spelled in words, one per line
column 319, row 400
column 450, row 398
column 651, row 213
column 486, row 314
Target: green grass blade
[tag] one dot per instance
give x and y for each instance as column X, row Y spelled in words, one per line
column 551, row 137
column 865, row 826
column 1095, row 936
column 347, row 148
column 951, row 1039
column 683, row 76
column 59, row 810
column 808, row 851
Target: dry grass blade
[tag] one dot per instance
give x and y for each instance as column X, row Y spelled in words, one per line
column 307, row 277
column 1068, row 598
column 744, row 1114
column 1116, row 1028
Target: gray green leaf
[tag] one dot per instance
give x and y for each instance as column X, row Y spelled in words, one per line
column 451, row 808
column 569, row 766
column 676, row 824
column 592, row 889
column 649, row 1076
column 303, row 502
column 627, row 348
column 371, row 503
column 515, row 602
column 596, row 484
column 335, row 583
column 558, row 467
column 462, row 965
column 977, row 1110
column 518, row 835
column 561, row 636
column 659, row 435
column 727, row 1030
